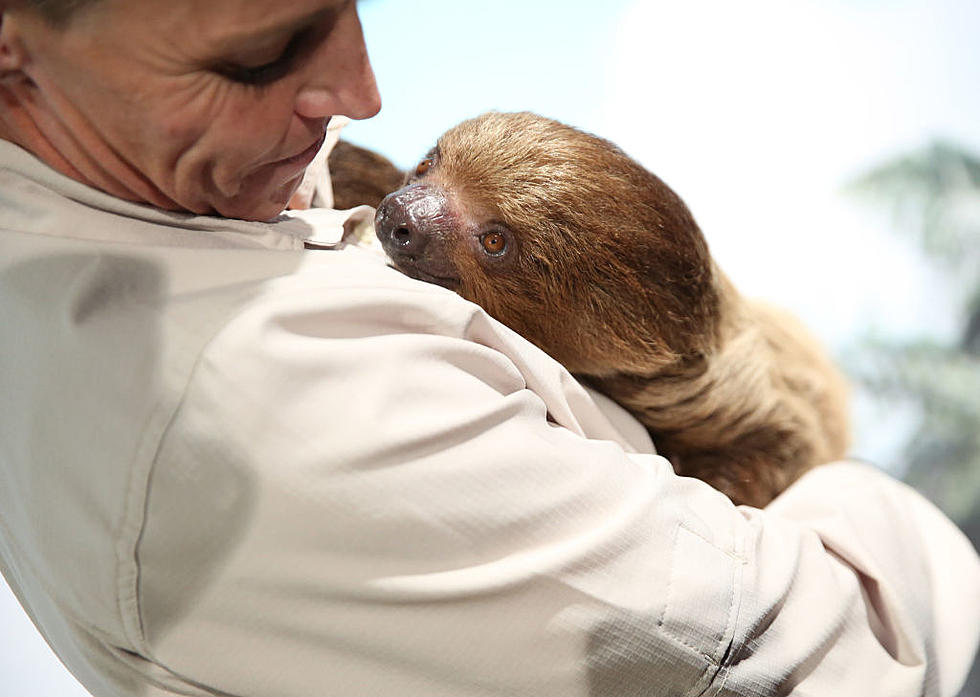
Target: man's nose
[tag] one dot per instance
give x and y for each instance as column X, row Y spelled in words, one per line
column 341, row 80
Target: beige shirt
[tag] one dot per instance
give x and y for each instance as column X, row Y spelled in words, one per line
column 232, row 466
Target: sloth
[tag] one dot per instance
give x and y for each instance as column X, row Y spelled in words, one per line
column 561, row 236
column 360, row 177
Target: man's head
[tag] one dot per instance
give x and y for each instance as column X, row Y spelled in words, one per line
column 208, row 107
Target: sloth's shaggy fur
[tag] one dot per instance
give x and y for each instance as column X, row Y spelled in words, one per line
column 606, row 270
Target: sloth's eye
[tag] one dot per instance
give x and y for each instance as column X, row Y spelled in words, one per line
column 423, row 167
column 493, row 243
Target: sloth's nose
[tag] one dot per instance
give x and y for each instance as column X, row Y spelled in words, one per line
column 403, row 222
column 406, row 237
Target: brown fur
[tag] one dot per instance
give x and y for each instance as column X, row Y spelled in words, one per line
column 605, row 269
column 360, row 177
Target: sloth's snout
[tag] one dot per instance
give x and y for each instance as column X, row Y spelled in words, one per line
column 408, row 219
column 415, row 227
column 398, row 231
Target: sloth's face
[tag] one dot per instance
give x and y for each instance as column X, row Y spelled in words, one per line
column 560, row 236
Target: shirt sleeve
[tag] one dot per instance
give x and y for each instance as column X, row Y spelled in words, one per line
column 374, row 489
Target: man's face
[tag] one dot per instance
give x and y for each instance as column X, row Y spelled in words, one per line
column 213, row 106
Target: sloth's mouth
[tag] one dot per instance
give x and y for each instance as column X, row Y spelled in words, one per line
column 410, row 267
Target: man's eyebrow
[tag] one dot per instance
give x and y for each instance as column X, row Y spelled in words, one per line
column 286, row 26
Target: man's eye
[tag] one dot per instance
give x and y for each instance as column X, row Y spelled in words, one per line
column 266, row 72
column 261, row 75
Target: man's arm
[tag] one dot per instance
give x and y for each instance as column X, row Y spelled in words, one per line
column 371, row 489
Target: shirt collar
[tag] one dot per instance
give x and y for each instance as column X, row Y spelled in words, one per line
column 36, row 198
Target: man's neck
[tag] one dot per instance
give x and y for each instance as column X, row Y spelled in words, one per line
column 19, row 128
column 25, row 122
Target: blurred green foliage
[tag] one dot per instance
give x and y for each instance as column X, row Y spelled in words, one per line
column 933, row 196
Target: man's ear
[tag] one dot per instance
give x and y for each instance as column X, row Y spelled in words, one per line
column 12, row 54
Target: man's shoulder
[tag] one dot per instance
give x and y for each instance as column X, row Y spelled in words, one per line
column 356, row 288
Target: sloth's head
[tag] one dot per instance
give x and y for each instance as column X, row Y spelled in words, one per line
column 561, row 236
